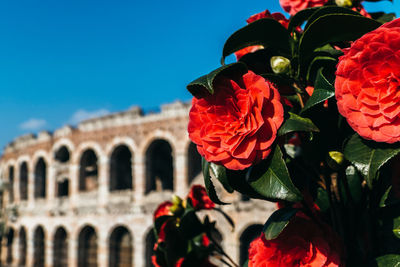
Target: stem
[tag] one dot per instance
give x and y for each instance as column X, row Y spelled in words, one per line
column 221, row 250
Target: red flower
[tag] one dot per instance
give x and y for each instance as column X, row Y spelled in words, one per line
column 368, row 82
column 199, row 198
column 163, row 209
column 265, row 14
column 237, row 125
column 294, row 6
column 301, row 243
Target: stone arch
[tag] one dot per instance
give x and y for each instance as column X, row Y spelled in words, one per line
column 248, row 235
column 40, row 178
column 77, row 153
column 149, row 241
column 62, row 157
column 194, row 163
column 88, row 170
column 41, row 154
column 22, row 246
column 39, row 247
column 159, row 162
column 10, row 241
column 120, row 247
column 87, row 247
column 121, row 171
column 60, row 248
column 23, row 180
column 62, row 154
column 63, row 142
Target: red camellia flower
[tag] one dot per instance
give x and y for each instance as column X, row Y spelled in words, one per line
column 294, row 6
column 199, row 198
column 301, row 243
column 368, row 84
column 237, row 125
column 265, row 14
column 163, row 209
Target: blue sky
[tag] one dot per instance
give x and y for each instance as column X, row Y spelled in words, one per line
column 62, row 61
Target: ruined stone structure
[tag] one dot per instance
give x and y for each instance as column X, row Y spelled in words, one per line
column 85, row 196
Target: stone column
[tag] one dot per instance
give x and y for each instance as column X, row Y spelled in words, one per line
column 72, row 252
column 31, row 187
column 74, row 185
column 15, row 248
column 140, row 249
column 51, row 184
column 103, row 181
column 139, row 178
column 102, row 250
column 180, row 174
column 48, row 250
column 17, row 196
column 29, row 247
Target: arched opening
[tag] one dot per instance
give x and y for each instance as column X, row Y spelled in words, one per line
column 159, row 167
column 88, row 172
column 121, row 169
column 40, row 179
column 11, row 184
column 194, row 163
column 38, row 247
column 60, row 254
column 248, row 235
column 62, row 155
column 22, row 247
column 121, row 248
column 10, row 239
column 23, row 181
column 150, row 241
column 87, row 248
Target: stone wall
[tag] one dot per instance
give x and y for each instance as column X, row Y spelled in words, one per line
column 70, row 198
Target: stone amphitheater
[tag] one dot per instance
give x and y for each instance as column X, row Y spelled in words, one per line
column 85, row 196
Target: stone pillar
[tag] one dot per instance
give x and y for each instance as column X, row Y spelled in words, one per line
column 180, row 174
column 102, row 249
column 72, row 252
column 74, row 185
column 139, row 178
column 15, row 248
column 51, row 184
column 48, row 250
column 17, row 197
column 29, row 247
column 103, row 181
column 31, row 187
column 140, row 249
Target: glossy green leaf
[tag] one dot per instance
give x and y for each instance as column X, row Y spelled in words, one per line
column 354, row 182
column 205, row 84
column 296, row 123
column 266, row 32
column 300, row 17
column 277, row 222
column 333, row 28
column 390, row 260
column 317, row 63
column 190, row 225
column 382, row 202
column 323, row 90
column 329, row 10
column 368, row 157
column 209, row 185
column 271, row 179
column 219, row 172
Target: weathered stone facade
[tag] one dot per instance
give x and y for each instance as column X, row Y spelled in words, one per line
column 85, row 196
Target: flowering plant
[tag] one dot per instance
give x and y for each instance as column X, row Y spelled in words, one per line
column 308, row 116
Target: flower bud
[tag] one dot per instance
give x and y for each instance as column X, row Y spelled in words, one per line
column 335, row 160
column 177, row 205
column 344, row 3
column 280, row 65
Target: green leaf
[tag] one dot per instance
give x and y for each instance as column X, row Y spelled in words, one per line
column 296, row 123
column 390, row 260
column 271, row 179
column 323, row 90
column 266, row 32
column 382, row 202
column 208, row 183
column 354, row 182
column 300, row 17
column 219, row 172
column 322, row 199
column 190, row 225
column 396, row 227
column 329, row 10
column 278, row 221
column 368, row 156
column 205, row 84
column 333, row 28
column 320, row 62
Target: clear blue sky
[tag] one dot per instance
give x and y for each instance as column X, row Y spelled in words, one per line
column 64, row 60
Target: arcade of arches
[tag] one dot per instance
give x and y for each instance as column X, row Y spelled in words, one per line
column 85, row 196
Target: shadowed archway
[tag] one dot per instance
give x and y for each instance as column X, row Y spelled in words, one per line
column 120, row 248
column 87, row 247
